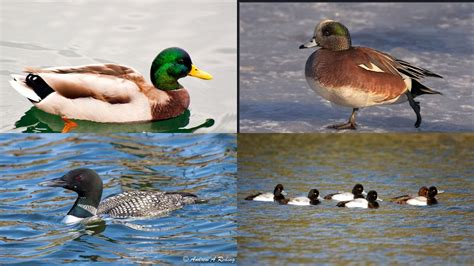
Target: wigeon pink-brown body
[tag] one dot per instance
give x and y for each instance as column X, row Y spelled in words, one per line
column 360, row 77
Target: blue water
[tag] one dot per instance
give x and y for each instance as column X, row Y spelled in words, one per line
column 30, row 226
column 274, row 94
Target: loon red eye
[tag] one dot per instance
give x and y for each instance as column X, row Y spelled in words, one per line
column 78, row 177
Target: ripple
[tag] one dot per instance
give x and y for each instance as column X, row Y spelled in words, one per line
column 30, row 215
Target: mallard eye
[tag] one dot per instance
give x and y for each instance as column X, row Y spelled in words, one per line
column 181, row 61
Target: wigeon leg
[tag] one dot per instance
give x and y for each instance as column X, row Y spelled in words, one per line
column 351, row 124
column 68, row 125
column 416, row 107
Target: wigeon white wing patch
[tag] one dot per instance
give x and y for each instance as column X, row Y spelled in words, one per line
column 371, row 67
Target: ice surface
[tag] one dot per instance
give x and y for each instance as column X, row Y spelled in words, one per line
column 274, row 95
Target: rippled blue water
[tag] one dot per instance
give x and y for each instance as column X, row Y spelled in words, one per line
column 30, row 227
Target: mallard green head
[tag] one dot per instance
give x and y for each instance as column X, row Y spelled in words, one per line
column 331, row 35
column 172, row 64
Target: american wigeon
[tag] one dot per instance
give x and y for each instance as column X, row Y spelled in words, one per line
column 110, row 92
column 370, row 202
column 359, row 77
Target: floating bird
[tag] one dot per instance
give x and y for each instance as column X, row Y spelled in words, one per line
column 357, row 192
column 111, row 93
column 426, row 196
column 370, row 202
column 311, row 199
column 277, row 195
column 88, row 186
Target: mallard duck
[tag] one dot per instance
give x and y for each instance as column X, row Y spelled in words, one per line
column 111, row 93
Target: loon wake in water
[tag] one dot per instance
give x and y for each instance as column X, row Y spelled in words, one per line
column 88, row 185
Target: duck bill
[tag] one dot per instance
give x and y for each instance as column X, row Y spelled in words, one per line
column 57, row 182
column 283, row 193
column 309, row 44
column 364, row 193
column 196, row 72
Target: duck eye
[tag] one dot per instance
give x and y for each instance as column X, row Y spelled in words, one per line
column 181, row 61
column 326, row 33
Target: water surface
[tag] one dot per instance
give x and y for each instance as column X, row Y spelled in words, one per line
column 30, row 215
column 391, row 164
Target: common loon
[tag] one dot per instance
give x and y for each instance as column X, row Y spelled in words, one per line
column 88, row 185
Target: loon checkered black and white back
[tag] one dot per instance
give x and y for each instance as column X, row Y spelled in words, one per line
column 88, row 185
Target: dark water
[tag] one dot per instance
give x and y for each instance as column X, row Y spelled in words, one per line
column 38, row 121
column 391, row 164
column 274, row 94
column 30, row 226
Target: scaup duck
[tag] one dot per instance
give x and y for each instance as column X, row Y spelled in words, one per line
column 370, row 202
column 311, row 199
column 277, row 195
column 357, row 192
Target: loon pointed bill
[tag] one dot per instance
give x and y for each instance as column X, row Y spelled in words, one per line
column 88, row 186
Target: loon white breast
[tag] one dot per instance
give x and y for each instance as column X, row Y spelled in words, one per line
column 88, row 185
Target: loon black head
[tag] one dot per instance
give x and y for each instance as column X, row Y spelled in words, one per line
column 88, row 186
